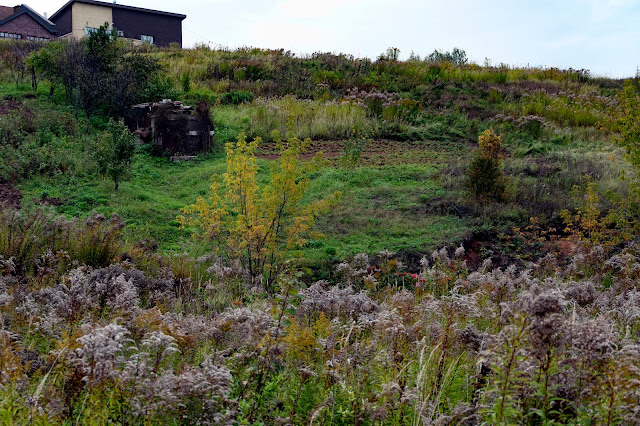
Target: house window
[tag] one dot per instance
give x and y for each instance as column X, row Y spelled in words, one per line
column 32, row 38
column 10, row 35
column 147, row 39
column 90, row 30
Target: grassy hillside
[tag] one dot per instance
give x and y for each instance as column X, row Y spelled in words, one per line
column 408, row 129
column 423, row 303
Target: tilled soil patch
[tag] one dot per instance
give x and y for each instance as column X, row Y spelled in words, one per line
column 380, row 152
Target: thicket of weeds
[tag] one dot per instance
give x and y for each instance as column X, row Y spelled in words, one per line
column 278, row 72
column 153, row 339
column 38, row 142
column 403, row 100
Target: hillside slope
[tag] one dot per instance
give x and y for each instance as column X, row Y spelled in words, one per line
column 427, row 300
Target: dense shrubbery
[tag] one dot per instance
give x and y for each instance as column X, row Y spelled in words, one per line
column 402, row 100
column 573, row 110
column 277, row 72
column 97, row 73
column 236, row 98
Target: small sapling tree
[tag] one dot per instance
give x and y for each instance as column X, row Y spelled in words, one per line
column 113, row 151
column 41, row 64
column 259, row 224
column 485, row 178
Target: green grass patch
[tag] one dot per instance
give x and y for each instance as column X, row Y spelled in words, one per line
column 149, row 201
column 382, row 208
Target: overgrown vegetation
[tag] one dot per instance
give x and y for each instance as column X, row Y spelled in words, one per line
column 379, row 345
column 524, row 312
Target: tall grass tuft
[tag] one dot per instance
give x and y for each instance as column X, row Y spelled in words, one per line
column 303, row 119
column 33, row 240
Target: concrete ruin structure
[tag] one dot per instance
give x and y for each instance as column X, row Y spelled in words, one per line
column 174, row 128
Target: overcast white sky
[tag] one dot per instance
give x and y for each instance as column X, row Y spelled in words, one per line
column 600, row 35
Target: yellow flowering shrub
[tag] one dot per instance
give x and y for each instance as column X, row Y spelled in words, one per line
column 259, row 223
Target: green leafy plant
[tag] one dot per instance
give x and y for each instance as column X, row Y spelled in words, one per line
column 236, row 98
column 185, row 81
column 353, row 149
column 113, row 151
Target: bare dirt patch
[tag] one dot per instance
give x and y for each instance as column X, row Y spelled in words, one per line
column 10, row 197
column 9, row 105
column 49, row 201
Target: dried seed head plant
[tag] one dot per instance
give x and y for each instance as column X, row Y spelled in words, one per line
column 495, row 345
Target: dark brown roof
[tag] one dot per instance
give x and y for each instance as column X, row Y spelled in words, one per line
column 23, row 9
column 5, row 12
column 118, row 6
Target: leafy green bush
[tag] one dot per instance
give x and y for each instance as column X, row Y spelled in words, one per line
column 159, row 87
column 196, row 96
column 39, row 143
column 353, row 151
column 185, row 82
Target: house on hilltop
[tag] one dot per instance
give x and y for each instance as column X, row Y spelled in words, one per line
column 79, row 18
column 23, row 23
